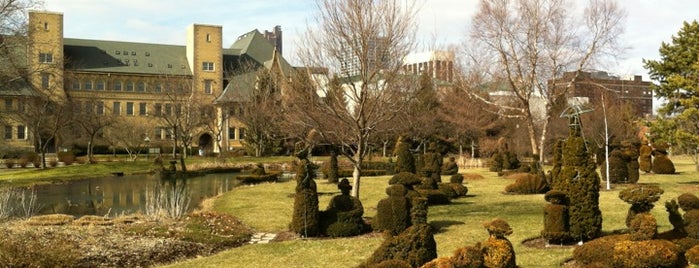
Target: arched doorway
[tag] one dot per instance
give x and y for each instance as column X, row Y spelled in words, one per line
column 205, row 144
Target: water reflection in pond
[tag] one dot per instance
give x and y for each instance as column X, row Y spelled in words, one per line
column 119, row 195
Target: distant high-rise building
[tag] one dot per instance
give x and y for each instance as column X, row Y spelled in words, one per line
column 275, row 37
column 352, row 64
column 590, row 85
column 438, row 64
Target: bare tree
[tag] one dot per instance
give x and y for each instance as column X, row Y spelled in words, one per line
column 91, row 119
column 362, row 43
column 528, row 43
column 128, row 134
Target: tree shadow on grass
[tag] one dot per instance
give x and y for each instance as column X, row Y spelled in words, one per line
column 442, row 226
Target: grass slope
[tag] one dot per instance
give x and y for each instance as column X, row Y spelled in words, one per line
column 268, row 207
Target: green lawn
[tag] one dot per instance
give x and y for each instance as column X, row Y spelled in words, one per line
column 268, row 208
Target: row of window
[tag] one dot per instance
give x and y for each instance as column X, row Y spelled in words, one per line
column 206, row 66
column 19, row 132
column 159, row 109
column 130, row 86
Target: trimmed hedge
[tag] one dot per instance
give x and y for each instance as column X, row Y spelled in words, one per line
column 254, row 179
column 527, row 183
column 415, row 245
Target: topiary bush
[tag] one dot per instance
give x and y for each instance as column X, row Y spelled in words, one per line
column 406, row 179
column 643, row 227
column 648, row 253
column 662, row 164
column 456, row 178
column 645, row 158
column 405, row 161
column 305, row 220
column 641, row 198
column 343, row 217
column 468, row 257
column 556, row 218
column 393, row 212
column 631, row 154
column 688, row 201
column 692, row 255
column 497, row 250
column 434, row 196
column 415, row 245
column 450, row 167
column 68, row 158
column 526, row 183
column 618, row 172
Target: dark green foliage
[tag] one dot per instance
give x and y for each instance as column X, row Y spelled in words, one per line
column 691, row 223
column 504, row 161
column 468, row 257
column 498, row 228
column 643, row 227
column 333, row 168
column 406, row 179
column 648, row 253
column 674, row 216
column 434, row 196
column 688, row 201
column 692, row 255
column 448, row 190
column 254, row 179
column 431, row 166
column 393, row 212
column 631, row 153
column 598, row 251
column 557, row 161
column 450, row 167
column 305, row 218
column 393, row 263
column 415, row 245
column 456, row 178
column 556, row 218
column 405, row 161
column 458, row 188
column 527, row 183
column 579, row 180
column 418, row 210
column 343, row 217
column 662, row 164
column 618, row 172
column 645, row 159
column 641, row 198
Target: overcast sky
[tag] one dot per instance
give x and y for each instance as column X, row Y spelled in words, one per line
column 441, row 22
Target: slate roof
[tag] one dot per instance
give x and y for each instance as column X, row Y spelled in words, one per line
column 125, row 57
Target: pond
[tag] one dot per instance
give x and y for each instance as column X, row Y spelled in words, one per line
column 117, row 195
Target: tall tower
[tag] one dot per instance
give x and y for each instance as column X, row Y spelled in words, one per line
column 205, row 57
column 45, row 53
column 275, row 37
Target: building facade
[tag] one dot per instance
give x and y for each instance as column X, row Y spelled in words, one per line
column 591, row 85
column 145, row 86
column 437, row 64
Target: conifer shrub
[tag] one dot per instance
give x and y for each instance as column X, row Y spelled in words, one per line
column 688, row 201
column 645, row 158
column 418, row 210
column 332, row 169
column 631, row 154
column 643, row 227
column 460, row 189
column 647, row 253
column 434, row 196
column 641, row 198
column 618, row 172
column 450, row 167
column 68, row 158
column 468, row 257
column 662, row 165
column 448, row 190
column 415, row 245
column 305, row 220
column 406, row 179
column 556, row 218
column 432, row 166
column 526, row 183
column 597, row 252
column 393, row 212
column 497, row 250
column 674, row 216
column 692, row 255
column 456, row 178
column 405, row 161
column 691, row 223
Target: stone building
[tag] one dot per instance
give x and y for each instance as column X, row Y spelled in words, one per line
column 141, row 83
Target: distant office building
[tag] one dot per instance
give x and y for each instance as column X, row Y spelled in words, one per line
column 438, row 64
column 590, row 85
column 351, row 64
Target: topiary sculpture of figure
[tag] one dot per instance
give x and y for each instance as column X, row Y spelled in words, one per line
column 418, row 210
column 466, row 257
column 333, row 168
column 556, row 218
column 661, row 163
column 692, row 255
column 405, row 161
column 497, row 250
column 579, row 180
column 305, row 217
column 456, row 182
column 690, row 204
column 415, row 245
column 643, row 227
column 618, row 172
column 557, row 163
column 527, row 183
column 450, row 167
column 343, row 217
column 393, row 213
column 432, row 164
column 645, row 158
column 631, row 154
column 641, row 198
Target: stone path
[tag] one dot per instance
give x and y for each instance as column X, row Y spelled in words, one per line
column 262, row 238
